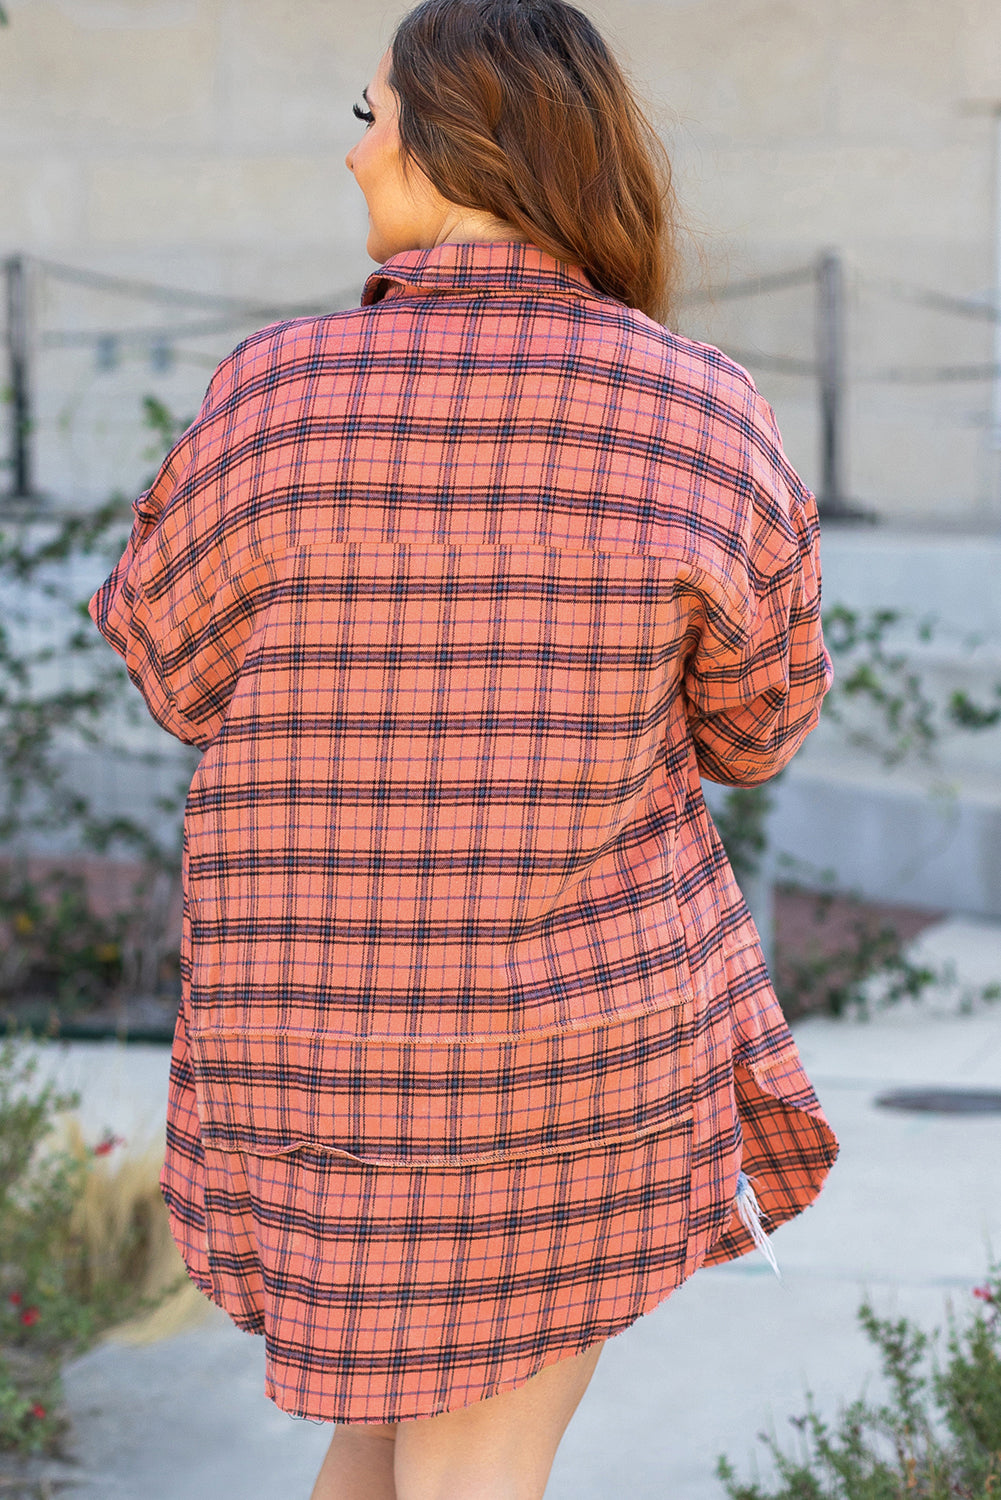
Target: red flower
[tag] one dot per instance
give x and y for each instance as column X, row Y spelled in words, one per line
column 105, row 1147
column 38, row 1410
column 14, row 1299
column 29, row 1316
column 984, row 1293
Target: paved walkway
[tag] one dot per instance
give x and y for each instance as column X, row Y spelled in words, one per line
column 909, row 1216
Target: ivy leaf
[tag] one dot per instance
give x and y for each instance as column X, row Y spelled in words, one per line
column 966, row 714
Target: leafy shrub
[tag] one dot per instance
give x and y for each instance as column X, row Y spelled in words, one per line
column 52, row 942
column 75, row 1255
column 937, row 1436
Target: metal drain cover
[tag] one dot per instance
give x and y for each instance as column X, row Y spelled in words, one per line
column 944, row 1101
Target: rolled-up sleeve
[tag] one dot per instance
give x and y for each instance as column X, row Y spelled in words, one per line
column 759, row 670
column 175, row 608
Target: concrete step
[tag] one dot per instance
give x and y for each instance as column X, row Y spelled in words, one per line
column 919, row 833
column 900, row 835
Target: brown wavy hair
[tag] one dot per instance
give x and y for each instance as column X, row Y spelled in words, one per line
column 519, row 109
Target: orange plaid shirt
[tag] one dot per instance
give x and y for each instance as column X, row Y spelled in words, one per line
column 461, row 592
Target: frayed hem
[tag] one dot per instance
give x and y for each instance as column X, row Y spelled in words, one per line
column 749, row 1213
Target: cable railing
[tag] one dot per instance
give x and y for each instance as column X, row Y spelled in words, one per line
column 827, row 366
column 181, row 317
column 25, row 278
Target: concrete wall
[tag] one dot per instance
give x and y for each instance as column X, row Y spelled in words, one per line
column 200, row 143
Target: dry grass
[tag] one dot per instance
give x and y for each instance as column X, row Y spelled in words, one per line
column 121, row 1221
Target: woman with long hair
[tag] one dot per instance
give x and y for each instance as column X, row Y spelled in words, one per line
column 461, row 592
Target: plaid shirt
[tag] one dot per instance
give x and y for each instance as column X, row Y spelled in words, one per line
column 460, row 592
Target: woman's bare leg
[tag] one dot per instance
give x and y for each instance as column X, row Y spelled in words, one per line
column 358, row 1465
column 499, row 1449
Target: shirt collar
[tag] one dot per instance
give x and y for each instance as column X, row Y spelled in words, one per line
column 489, row 265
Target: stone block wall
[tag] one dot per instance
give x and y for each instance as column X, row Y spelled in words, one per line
column 200, row 144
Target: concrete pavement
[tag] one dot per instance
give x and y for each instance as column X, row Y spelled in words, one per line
column 909, row 1217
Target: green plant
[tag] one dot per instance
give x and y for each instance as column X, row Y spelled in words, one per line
column 74, row 1257
column 835, row 983
column 902, row 722
column 29, row 1381
column 905, row 723
column 742, row 823
column 936, row 1436
column 869, row 967
column 53, row 942
column 37, row 716
column 54, row 939
column 31, row 1420
column 165, row 425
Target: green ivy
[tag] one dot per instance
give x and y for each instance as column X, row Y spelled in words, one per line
column 966, row 714
column 53, row 942
column 906, row 725
column 742, row 823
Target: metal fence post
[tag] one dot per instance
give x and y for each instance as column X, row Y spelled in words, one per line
column 17, row 364
column 831, row 500
column 996, row 387
column 758, row 890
